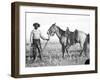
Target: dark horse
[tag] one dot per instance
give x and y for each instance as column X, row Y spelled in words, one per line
column 67, row 38
column 54, row 29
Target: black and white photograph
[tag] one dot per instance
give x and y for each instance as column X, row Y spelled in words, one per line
column 57, row 39
column 54, row 39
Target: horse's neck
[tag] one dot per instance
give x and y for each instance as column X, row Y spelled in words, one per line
column 58, row 32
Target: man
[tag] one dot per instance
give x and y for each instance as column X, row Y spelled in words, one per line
column 35, row 40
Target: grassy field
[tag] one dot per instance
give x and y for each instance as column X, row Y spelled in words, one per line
column 52, row 56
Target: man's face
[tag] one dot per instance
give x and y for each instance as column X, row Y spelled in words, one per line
column 36, row 27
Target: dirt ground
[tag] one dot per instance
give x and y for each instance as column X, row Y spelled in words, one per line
column 52, row 56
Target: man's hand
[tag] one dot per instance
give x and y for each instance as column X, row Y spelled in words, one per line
column 47, row 39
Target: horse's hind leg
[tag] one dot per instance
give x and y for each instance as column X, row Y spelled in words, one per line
column 81, row 45
column 81, row 53
column 84, row 49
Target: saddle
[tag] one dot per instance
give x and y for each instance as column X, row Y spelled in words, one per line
column 72, row 37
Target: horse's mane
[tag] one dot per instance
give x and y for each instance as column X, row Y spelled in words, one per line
column 60, row 30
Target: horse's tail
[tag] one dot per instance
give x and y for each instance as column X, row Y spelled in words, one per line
column 88, row 38
column 87, row 41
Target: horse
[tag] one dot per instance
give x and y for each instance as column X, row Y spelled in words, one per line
column 68, row 38
column 54, row 29
column 78, row 37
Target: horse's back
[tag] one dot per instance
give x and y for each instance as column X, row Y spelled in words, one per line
column 81, row 36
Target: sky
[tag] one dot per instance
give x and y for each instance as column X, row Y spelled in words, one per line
column 73, row 21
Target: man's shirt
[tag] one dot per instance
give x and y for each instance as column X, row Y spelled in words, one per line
column 36, row 34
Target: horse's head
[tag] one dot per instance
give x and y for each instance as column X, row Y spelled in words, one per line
column 52, row 30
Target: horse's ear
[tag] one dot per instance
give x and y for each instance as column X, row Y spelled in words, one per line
column 55, row 23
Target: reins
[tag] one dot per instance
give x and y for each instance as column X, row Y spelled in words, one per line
column 45, row 45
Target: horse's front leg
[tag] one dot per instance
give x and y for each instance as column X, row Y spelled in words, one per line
column 63, row 50
column 67, row 51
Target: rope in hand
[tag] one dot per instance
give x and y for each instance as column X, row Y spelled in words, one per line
column 45, row 44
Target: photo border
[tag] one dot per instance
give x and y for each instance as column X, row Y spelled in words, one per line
column 15, row 32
